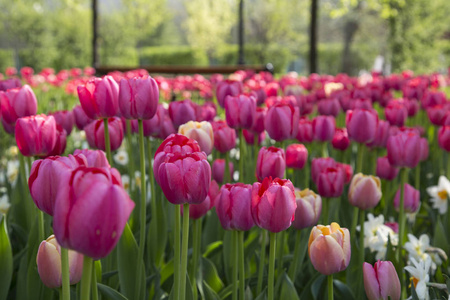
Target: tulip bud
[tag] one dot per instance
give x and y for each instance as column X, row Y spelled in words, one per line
column 61, row 141
column 48, row 262
column 36, row 135
column 396, row 113
column 17, row 103
column 329, row 107
column 182, row 112
column 202, row 132
column 364, row 191
column 273, row 204
column 411, row 200
column 138, row 98
column 381, row 281
column 99, row 97
column 281, row 121
column 330, row 182
column 95, row 133
column 403, row 149
column 65, row 118
column 94, row 158
column 381, row 135
column 385, row 170
column 260, row 116
column 361, row 125
column 323, row 128
column 196, row 211
column 340, row 139
column 305, row 131
column 348, row 172
column 271, row 162
column 296, row 156
column 444, row 137
column 218, row 169
column 320, row 164
column 240, row 111
column 329, row 248
column 227, row 88
column 224, row 136
column 233, row 207
column 309, row 207
column 80, row 117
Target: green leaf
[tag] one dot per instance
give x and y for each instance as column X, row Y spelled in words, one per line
column 166, row 271
column 287, row 289
column 110, row 293
column 440, row 239
column 263, row 295
column 6, row 259
column 414, row 293
column 210, row 294
column 127, row 252
column 224, row 293
column 316, row 287
column 210, row 275
column 343, row 290
column 157, row 235
column 213, row 248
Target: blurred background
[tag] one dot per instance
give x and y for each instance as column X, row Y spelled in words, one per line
column 351, row 34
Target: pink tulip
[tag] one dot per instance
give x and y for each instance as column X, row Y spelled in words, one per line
column 444, row 137
column 271, row 162
column 218, row 169
column 296, row 156
column 364, row 191
column 330, row 182
column 61, row 141
column 10, row 83
column 258, row 123
column 424, row 149
column 273, row 204
column 323, row 128
column 381, row 135
column 48, row 262
column 385, row 170
column 249, row 137
column 361, row 125
column 94, row 158
column 281, row 121
column 91, row 210
column 396, row 113
column 99, row 97
column 305, row 131
column 320, row 164
column 36, row 135
column 185, row 178
column 202, row 132
column 329, row 248
column 403, row 149
column 329, row 107
column 224, row 136
column 309, row 207
column 348, row 172
column 381, row 281
column 411, row 199
column 340, row 139
column 196, row 211
column 240, row 111
column 17, row 103
column 138, row 98
column 233, row 207
column 181, row 112
column 95, row 133
column 437, row 114
column 227, row 88
column 65, row 118
column 80, row 117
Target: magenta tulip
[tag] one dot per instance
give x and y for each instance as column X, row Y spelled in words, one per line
column 65, row 118
column 330, row 182
column 381, row 281
column 323, row 128
column 258, row 123
column 381, row 136
column 444, row 137
column 424, row 149
column 17, row 103
column 138, row 98
column 10, row 83
column 340, row 139
column 309, row 207
column 281, row 121
column 36, row 135
column 396, row 113
column 99, row 97
column 273, row 204
column 361, row 125
column 249, row 137
column 94, row 158
column 271, row 162
column 329, row 107
column 224, row 136
column 181, row 112
column 385, row 170
column 305, row 132
column 196, row 211
column 95, row 133
column 218, row 169
column 296, row 156
column 61, row 141
column 91, row 210
column 320, row 164
column 240, row 111
column 411, row 199
column 227, row 88
column 403, row 149
column 80, row 117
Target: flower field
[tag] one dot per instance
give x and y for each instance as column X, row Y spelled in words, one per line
column 318, row 187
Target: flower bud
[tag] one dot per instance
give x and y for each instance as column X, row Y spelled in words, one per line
column 296, row 156
column 202, row 132
column 271, row 162
column 361, row 125
column 381, row 281
column 385, row 170
column 240, row 111
column 309, row 207
column 281, row 121
column 323, row 128
column 99, row 97
column 403, row 149
column 36, row 135
column 364, row 191
column 224, row 136
column 218, row 169
column 411, row 199
column 95, row 133
column 138, row 98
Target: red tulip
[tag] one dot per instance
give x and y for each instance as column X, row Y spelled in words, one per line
column 95, row 133
column 91, row 210
column 361, row 125
column 271, row 162
column 281, row 121
column 233, row 207
column 36, row 135
column 340, row 139
column 99, row 97
column 240, row 111
column 296, row 156
column 138, row 98
column 330, row 182
column 273, row 204
column 17, row 103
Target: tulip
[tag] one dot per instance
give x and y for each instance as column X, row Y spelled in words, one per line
column 381, row 281
column 45, row 175
column 80, row 117
column 348, row 172
column 271, row 162
column 138, row 98
column 196, row 211
column 224, row 136
column 7, row 127
column 218, row 169
column 329, row 107
column 396, row 113
column 411, row 199
column 305, row 132
column 227, row 88
column 91, row 210
column 249, row 137
column 296, row 156
column 202, row 132
column 10, row 83
column 61, row 141
column 273, row 204
column 320, row 164
column 364, row 191
column 182, row 112
column 48, row 262
column 424, row 149
column 330, row 182
column 340, row 139
column 329, row 248
column 65, row 118
column 323, row 128
column 185, row 178
column 95, row 134
column 381, row 135
column 36, row 135
column 437, row 114
column 99, row 97
column 281, row 121
column 240, row 111
column 309, row 207
column 94, row 158
column 258, row 123
column 361, row 125
column 385, row 170
column 233, row 207
column 403, row 149
column 17, row 103
column 206, row 112
column 444, row 137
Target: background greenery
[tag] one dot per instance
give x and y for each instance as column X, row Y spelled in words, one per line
column 409, row 34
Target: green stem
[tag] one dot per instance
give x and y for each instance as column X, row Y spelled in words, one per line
column 306, row 174
column 273, row 243
column 94, row 284
column 241, row 265
column 360, row 157
column 417, row 176
column 142, row 208
column 325, row 204
column 65, row 274
column 448, row 165
column 27, row 204
column 227, row 176
column 361, row 249
column 330, row 287
column 324, row 149
column 130, row 154
column 107, row 141
column 176, row 258
column 241, row 155
column 41, row 230
column 195, row 254
column 401, row 224
column 86, row 278
column 280, row 250
column 255, row 151
column 293, row 268
column 354, row 223
column 262, row 261
column 184, row 250
column 234, row 259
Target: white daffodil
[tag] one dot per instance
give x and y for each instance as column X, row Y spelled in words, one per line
column 121, row 158
column 439, row 194
column 4, row 204
column 417, row 249
column 126, row 182
column 419, row 276
column 12, row 172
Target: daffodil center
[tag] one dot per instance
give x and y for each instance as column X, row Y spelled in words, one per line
column 413, row 280
column 443, row 194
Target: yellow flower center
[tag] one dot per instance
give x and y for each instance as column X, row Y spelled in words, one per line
column 443, row 194
column 413, row 280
